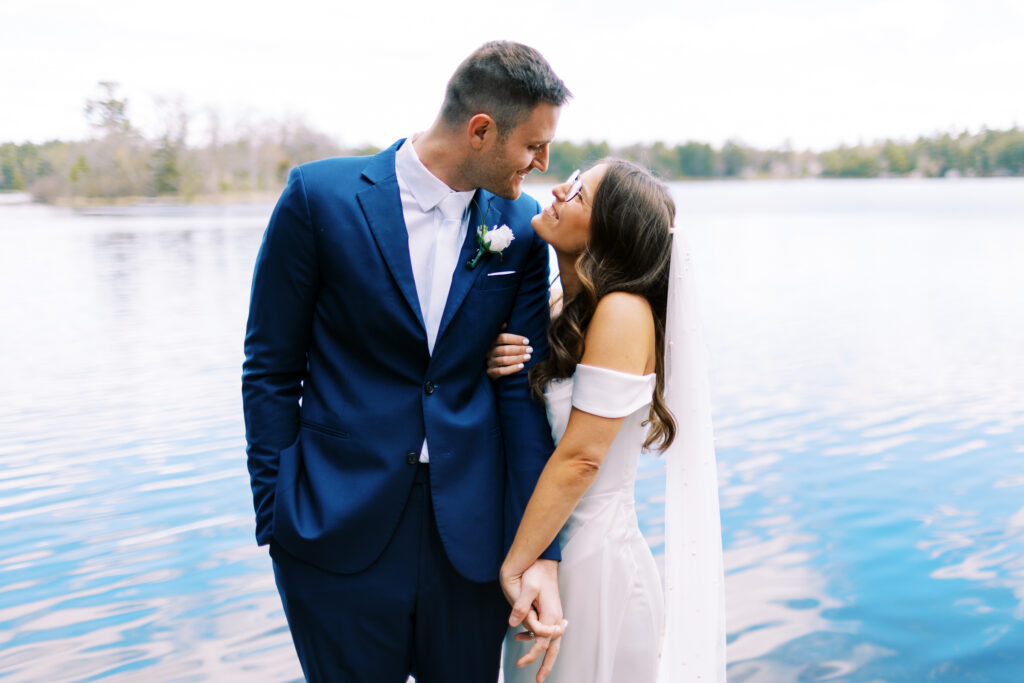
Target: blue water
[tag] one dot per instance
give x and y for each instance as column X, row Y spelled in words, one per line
column 868, row 383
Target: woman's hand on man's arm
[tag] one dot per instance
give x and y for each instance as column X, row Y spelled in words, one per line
column 508, row 354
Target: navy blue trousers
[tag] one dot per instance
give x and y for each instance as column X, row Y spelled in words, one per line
column 410, row 612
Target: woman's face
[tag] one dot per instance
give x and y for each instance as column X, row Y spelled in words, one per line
column 565, row 225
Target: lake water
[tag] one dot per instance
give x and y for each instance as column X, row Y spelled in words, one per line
column 866, row 339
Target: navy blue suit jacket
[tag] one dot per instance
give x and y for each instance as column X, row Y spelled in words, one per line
column 339, row 388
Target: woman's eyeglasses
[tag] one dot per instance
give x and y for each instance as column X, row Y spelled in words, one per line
column 575, row 186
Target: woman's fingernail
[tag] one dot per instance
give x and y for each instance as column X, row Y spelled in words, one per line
column 527, row 357
column 529, row 349
column 525, row 340
column 521, row 366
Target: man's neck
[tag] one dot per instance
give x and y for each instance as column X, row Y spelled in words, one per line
column 440, row 152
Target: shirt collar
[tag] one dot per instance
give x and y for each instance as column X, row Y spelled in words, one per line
column 427, row 189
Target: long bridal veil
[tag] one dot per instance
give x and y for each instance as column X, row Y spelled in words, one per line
column 694, row 644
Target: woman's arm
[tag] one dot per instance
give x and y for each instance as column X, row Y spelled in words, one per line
column 620, row 337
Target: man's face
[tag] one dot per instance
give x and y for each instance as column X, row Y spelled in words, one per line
column 506, row 163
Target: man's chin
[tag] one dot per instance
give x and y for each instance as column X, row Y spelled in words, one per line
column 511, row 191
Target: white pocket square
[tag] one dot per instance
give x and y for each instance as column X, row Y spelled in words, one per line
column 503, row 272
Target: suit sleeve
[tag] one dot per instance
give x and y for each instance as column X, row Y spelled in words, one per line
column 277, row 337
column 524, row 422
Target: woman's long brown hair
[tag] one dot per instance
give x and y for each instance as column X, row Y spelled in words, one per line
column 628, row 251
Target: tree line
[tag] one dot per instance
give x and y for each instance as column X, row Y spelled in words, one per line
column 985, row 154
column 119, row 161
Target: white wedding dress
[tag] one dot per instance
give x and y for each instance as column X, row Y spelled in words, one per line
column 610, row 586
column 622, row 629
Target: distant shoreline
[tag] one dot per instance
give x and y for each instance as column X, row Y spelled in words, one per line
column 20, row 198
column 267, row 197
column 15, row 197
column 119, row 166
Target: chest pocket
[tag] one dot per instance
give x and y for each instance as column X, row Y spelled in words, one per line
column 497, row 283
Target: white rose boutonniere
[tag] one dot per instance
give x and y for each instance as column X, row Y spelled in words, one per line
column 496, row 239
column 491, row 241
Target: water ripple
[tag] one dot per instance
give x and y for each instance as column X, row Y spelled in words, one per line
column 865, row 348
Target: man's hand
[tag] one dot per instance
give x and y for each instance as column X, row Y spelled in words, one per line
column 536, row 604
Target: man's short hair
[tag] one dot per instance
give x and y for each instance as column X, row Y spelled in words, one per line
column 505, row 80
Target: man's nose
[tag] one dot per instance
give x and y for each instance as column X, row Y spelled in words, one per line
column 540, row 159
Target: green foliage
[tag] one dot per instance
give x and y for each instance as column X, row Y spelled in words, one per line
column 695, row 160
column 663, row 162
column 734, row 159
column 898, row 159
column 1007, row 153
column 11, row 177
column 566, row 157
column 79, row 170
column 849, row 163
column 21, row 166
column 166, row 171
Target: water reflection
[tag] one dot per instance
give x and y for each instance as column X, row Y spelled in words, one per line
column 123, row 503
column 865, row 340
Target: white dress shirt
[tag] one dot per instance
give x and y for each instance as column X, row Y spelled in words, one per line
column 436, row 218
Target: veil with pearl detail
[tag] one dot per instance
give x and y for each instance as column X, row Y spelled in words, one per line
column 693, row 648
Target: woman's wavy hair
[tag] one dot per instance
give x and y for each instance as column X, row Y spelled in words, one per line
column 629, row 251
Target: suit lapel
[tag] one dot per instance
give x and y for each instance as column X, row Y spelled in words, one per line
column 464, row 277
column 382, row 207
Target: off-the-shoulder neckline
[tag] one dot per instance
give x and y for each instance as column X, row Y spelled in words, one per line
column 616, row 372
column 566, row 382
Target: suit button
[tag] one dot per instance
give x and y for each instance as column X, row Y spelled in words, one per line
column 429, row 388
column 412, row 458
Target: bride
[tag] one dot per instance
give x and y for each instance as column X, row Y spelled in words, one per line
column 625, row 374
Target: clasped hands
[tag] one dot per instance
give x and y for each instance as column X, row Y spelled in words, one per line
column 533, row 594
column 532, row 590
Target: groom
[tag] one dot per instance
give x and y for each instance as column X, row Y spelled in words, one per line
column 388, row 473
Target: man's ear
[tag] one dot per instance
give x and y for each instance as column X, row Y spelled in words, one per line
column 481, row 129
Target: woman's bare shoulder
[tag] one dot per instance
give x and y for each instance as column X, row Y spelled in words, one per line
column 621, row 334
column 624, row 307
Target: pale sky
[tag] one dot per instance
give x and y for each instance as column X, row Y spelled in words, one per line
column 811, row 72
